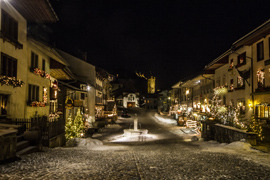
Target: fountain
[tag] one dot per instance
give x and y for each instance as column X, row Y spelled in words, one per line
column 135, row 131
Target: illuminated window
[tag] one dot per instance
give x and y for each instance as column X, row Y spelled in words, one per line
column 262, row 112
column 3, row 104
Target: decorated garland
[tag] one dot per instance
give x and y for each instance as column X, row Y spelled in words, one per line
column 37, row 104
column 41, row 73
column 10, row 81
column 260, row 77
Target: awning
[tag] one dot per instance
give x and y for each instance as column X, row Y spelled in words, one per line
column 37, row 11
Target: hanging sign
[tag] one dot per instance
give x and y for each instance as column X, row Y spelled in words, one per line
column 69, row 103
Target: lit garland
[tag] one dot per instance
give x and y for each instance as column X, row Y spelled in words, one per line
column 45, row 95
column 260, row 77
column 37, row 104
column 240, row 81
column 10, row 81
column 256, row 127
column 41, row 73
column 220, row 90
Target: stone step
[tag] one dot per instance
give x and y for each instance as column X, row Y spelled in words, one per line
column 20, row 138
column 28, row 150
column 22, row 145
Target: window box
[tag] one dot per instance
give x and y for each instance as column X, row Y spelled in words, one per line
column 10, row 81
column 40, row 72
column 36, row 104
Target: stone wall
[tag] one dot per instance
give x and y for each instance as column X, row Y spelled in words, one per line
column 226, row 134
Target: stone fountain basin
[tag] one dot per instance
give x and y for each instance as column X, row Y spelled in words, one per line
column 132, row 132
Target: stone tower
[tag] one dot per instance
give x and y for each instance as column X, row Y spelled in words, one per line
column 151, row 85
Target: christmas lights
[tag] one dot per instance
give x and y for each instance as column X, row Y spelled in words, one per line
column 41, row 73
column 11, row 81
column 260, row 77
column 37, row 104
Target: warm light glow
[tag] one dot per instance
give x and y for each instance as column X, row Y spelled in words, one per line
column 187, row 92
column 88, row 88
column 220, row 90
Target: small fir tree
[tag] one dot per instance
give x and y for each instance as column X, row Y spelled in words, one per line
column 74, row 128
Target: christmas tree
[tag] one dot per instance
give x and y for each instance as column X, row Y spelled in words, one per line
column 74, row 127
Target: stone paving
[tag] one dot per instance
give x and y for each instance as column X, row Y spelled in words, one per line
column 169, row 158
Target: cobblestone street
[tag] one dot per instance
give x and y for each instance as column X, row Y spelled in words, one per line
column 167, row 157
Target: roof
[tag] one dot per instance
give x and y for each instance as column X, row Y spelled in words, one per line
column 46, row 48
column 36, row 11
column 84, row 71
column 177, row 85
column 253, row 36
column 218, row 62
column 196, row 80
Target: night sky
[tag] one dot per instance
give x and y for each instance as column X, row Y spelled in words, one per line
column 170, row 39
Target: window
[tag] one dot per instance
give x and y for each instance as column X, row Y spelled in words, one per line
column 223, row 80
column 231, row 63
column 262, row 112
column 224, row 100
column 241, row 59
column 82, row 96
column 3, row 104
column 8, row 66
column 9, row 27
column 43, row 64
column 34, row 60
column 260, row 54
column 231, row 85
column 33, row 93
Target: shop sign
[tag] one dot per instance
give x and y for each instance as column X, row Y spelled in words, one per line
column 69, row 103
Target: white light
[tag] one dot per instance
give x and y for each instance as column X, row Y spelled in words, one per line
column 88, row 88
